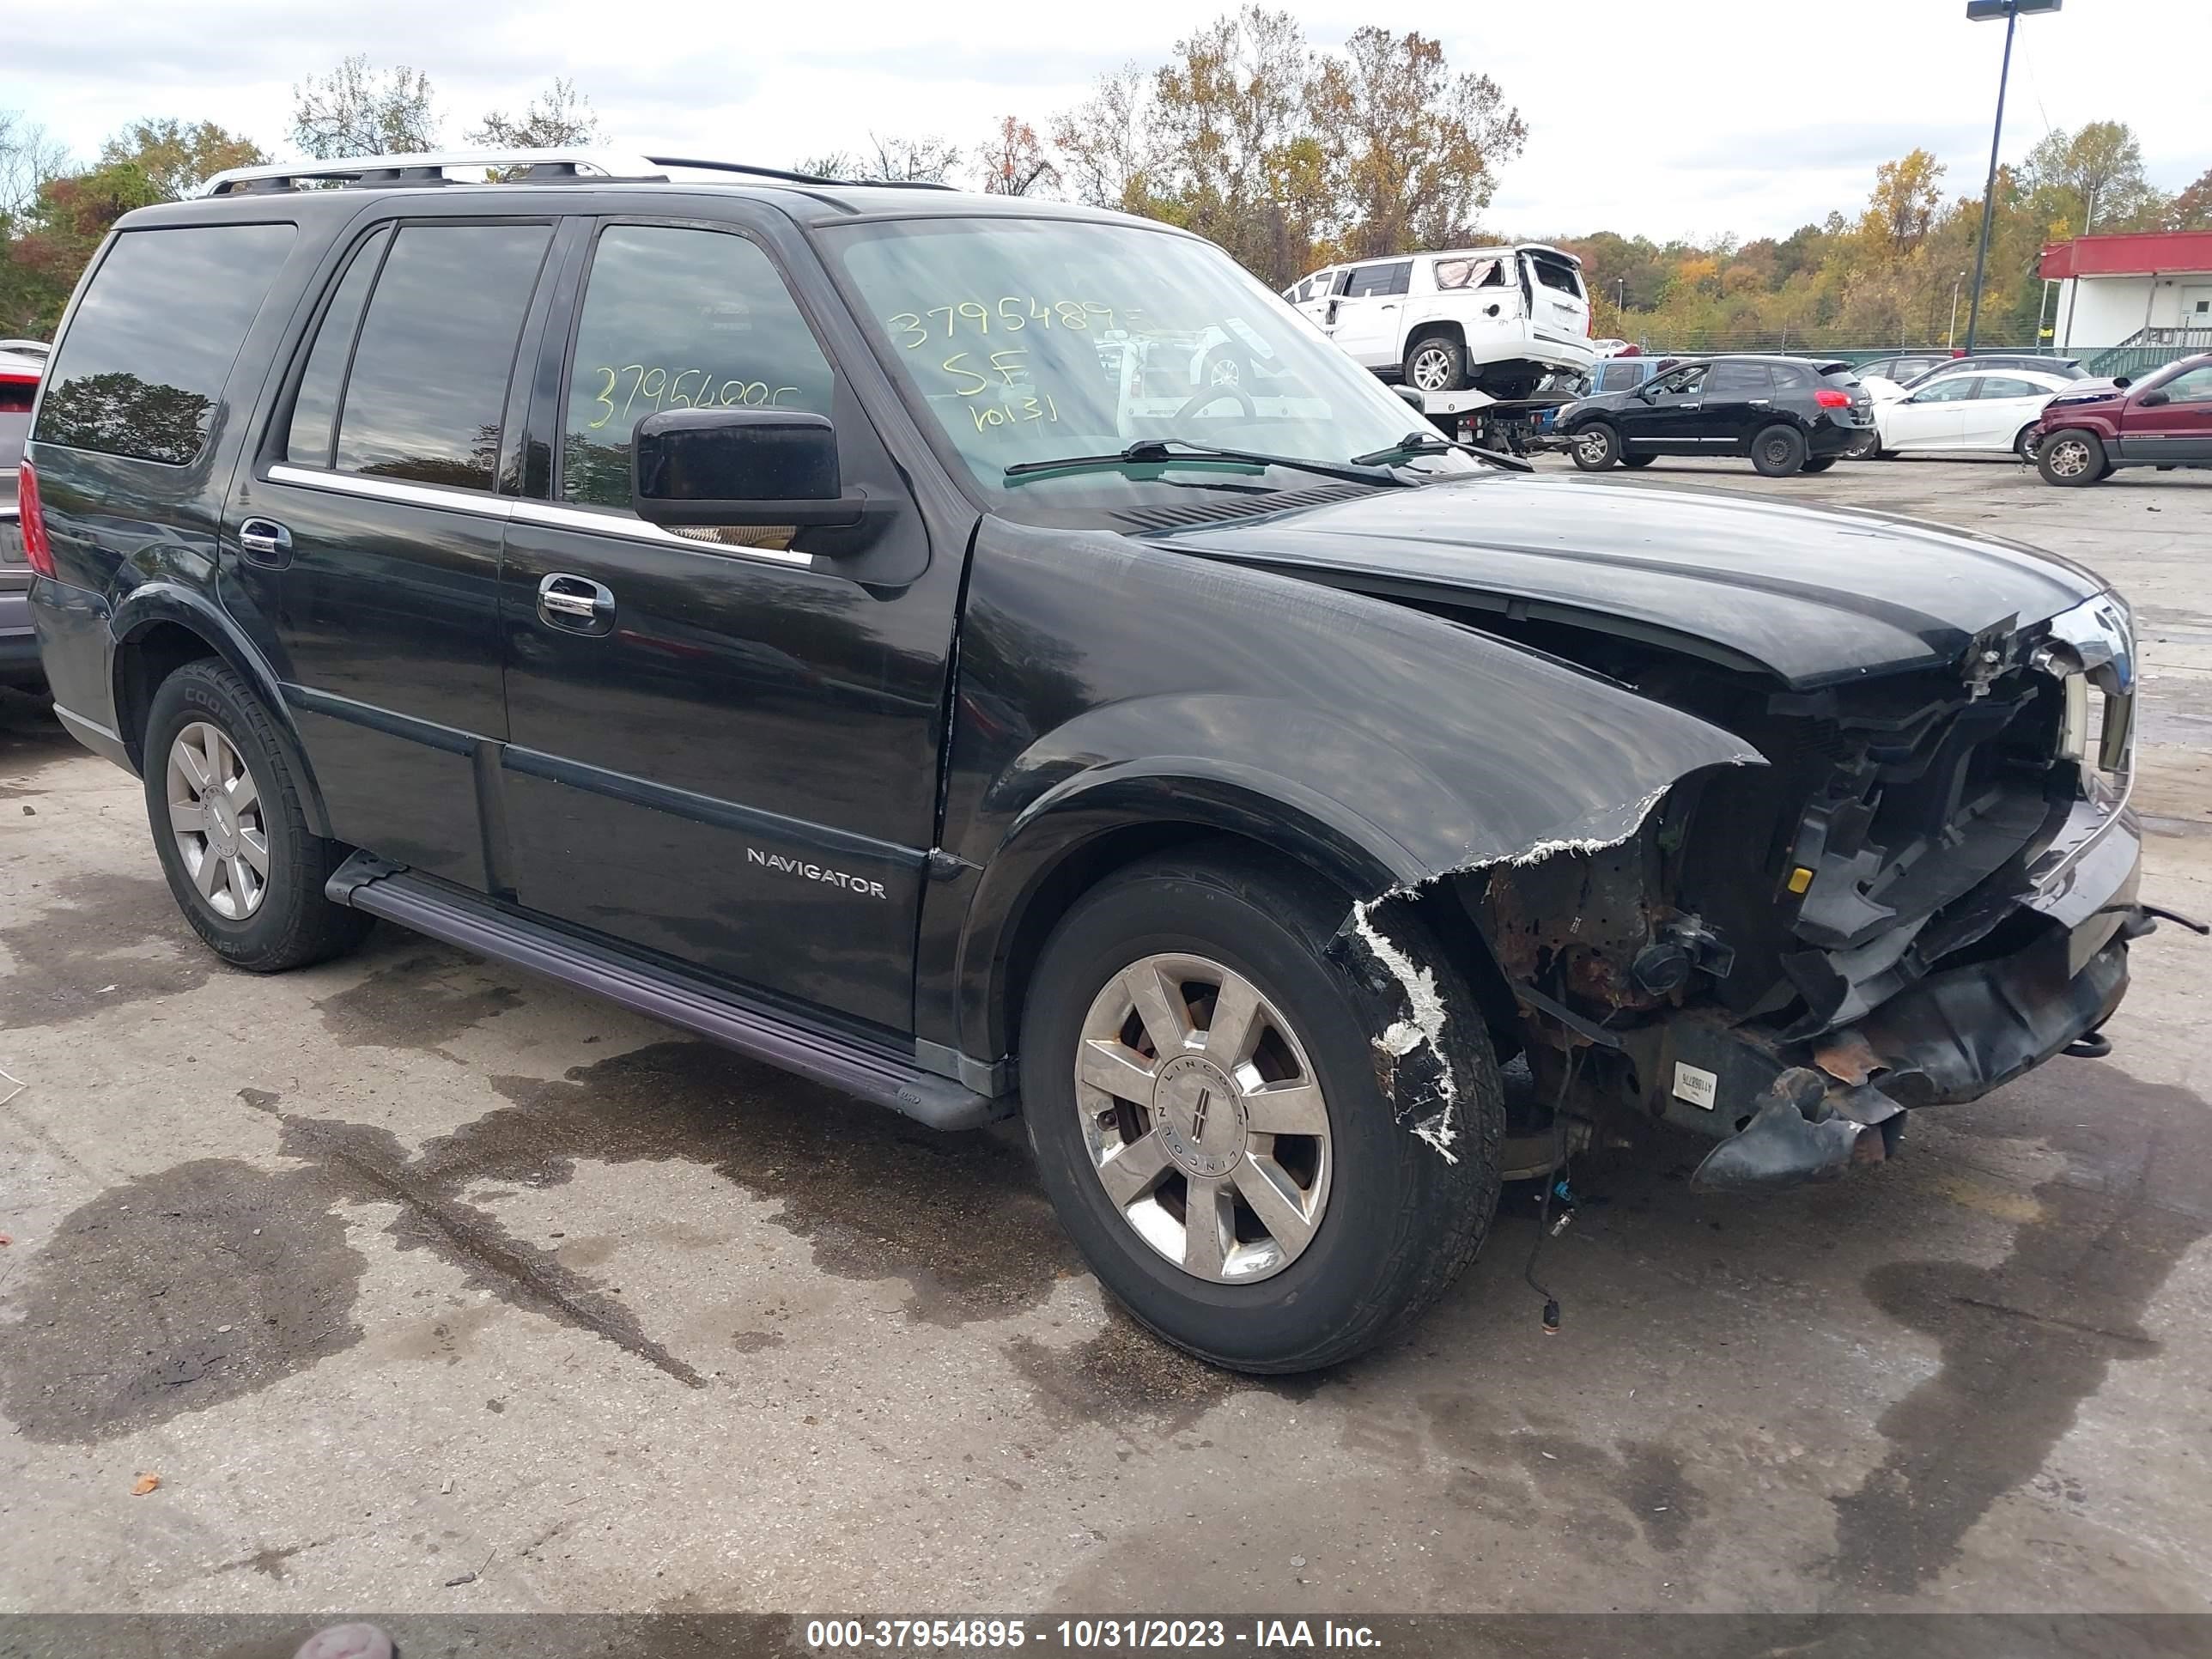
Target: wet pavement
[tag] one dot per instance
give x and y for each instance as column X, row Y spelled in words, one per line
column 423, row 1286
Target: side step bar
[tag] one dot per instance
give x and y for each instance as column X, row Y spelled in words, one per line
column 368, row 882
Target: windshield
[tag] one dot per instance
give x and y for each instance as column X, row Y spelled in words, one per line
column 1036, row 340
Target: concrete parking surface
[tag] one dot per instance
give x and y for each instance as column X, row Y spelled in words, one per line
column 422, row 1287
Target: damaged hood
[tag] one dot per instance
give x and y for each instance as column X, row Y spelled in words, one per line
column 1813, row 596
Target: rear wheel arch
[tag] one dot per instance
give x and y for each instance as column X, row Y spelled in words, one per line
column 159, row 636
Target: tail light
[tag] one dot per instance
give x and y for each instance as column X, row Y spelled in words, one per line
column 37, row 551
column 1828, row 398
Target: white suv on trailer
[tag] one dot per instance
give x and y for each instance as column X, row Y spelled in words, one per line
column 1498, row 319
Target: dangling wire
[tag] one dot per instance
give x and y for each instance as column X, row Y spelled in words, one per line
column 1554, row 1179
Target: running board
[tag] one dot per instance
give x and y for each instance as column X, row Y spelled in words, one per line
column 368, row 882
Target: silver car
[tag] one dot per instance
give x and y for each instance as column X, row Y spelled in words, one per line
column 21, row 363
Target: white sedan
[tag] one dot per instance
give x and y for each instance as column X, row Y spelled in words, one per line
column 1967, row 414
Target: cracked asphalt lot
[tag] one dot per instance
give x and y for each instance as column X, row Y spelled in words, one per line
column 405, row 1270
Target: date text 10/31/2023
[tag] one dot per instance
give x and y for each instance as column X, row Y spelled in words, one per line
column 980, row 369
column 830, row 1636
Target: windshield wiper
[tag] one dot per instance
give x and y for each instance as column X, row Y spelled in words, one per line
column 1156, row 452
column 1435, row 443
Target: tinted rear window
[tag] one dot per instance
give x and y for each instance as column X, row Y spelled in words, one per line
column 1792, row 377
column 315, row 405
column 428, row 385
column 1739, row 377
column 143, row 366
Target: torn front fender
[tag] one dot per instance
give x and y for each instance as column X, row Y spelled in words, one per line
column 1106, row 683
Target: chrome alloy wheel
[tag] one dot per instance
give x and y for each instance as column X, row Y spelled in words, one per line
column 1430, row 368
column 2070, row 458
column 1591, row 443
column 1204, row 1118
column 215, row 814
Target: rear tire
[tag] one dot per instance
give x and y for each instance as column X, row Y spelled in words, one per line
column 2024, row 444
column 249, row 878
column 2071, row 458
column 1596, row 446
column 1437, row 362
column 1361, row 1222
column 1818, row 463
column 1778, row 452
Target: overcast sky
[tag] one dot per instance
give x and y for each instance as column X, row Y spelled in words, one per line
column 1691, row 117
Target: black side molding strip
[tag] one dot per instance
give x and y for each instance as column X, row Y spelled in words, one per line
column 370, row 884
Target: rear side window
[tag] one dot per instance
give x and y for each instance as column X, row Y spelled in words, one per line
column 1394, row 278
column 425, row 395
column 141, row 369
column 315, row 408
column 1467, row 273
column 1618, row 377
column 2004, row 385
column 1789, row 377
column 678, row 318
column 1741, row 377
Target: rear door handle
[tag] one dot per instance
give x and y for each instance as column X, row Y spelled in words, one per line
column 264, row 541
column 575, row 604
column 1761, row 403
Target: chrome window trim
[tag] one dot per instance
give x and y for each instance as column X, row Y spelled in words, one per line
column 392, row 490
column 549, row 514
column 555, row 515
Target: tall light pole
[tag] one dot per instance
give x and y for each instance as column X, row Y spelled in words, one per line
column 1988, row 11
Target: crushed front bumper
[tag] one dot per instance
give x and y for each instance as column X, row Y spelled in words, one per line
column 1788, row 1112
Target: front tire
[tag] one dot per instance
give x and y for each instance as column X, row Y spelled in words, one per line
column 233, row 841
column 1240, row 1157
column 1637, row 462
column 1596, row 446
column 2072, row 457
column 1778, row 452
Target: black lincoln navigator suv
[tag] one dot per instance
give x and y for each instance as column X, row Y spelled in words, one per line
column 845, row 622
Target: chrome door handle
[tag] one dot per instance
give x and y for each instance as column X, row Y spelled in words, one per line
column 575, row 604
column 1689, row 405
column 264, row 541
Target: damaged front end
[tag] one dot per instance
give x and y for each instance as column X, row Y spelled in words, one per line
column 1928, row 889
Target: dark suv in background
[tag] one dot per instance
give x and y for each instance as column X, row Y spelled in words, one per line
column 1788, row 414
column 790, row 610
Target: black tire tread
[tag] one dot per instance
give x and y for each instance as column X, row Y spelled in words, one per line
column 312, row 928
column 1440, row 1233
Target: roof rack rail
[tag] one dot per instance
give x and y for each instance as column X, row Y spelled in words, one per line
column 741, row 167
column 792, row 178
column 373, row 171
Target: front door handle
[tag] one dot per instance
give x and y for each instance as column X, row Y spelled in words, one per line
column 1689, row 406
column 1762, row 403
column 264, row 541
column 575, row 604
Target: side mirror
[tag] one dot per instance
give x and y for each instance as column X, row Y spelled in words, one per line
column 2151, row 400
column 2123, row 381
column 711, row 468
